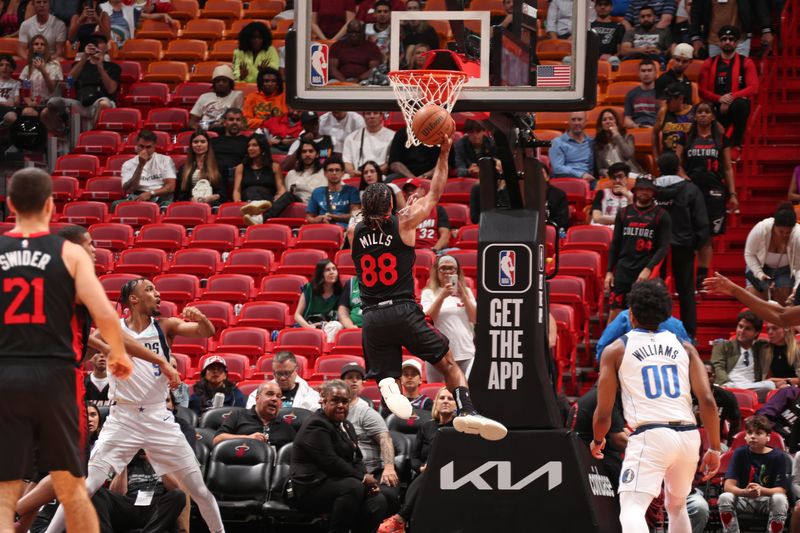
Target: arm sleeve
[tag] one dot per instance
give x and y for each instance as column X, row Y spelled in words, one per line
column 318, row 442
column 777, row 403
column 663, row 236
column 238, row 398
column 628, row 112
column 237, row 62
column 444, row 220
column 373, row 424
column 558, row 160
column 426, row 300
column 670, row 7
column 128, row 168
column 751, row 245
column 313, row 206
column 750, row 80
column 597, row 203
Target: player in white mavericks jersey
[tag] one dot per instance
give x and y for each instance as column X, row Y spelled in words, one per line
column 138, row 418
column 657, row 375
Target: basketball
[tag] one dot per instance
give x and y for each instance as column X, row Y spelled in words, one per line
column 431, row 123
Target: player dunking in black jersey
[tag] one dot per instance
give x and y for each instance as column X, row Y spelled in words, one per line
column 641, row 239
column 383, row 253
column 41, row 275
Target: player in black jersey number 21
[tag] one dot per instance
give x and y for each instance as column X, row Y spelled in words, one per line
column 383, row 253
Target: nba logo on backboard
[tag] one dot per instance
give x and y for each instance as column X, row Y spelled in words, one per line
column 508, row 267
column 319, row 64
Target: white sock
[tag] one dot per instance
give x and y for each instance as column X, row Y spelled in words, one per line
column 192, row 482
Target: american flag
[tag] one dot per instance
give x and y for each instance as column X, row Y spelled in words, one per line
column 553, row 75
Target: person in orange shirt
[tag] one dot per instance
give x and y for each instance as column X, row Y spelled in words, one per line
column 268, row 102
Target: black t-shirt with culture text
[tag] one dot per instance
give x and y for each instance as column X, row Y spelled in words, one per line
column 641, row 238
column 703, row 161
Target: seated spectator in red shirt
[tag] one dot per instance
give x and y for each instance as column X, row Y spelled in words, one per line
column 433, row 233
column 283, row 130
column 353, row 58
column 329, row 18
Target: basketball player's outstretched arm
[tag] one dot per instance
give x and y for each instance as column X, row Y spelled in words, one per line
column 91, row 293
column 196, row 324
column 417, row 211
column 708, row 411
column 772, row 312
column 607, row 386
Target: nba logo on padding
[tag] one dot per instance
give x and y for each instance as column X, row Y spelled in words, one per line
column 319, row 64
column 508, row 267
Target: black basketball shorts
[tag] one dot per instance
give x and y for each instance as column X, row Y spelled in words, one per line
column 716, row 206
column 44, row 419
column 386, row 330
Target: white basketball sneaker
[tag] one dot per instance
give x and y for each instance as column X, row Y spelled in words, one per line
column 394, row 399
column 475, row 424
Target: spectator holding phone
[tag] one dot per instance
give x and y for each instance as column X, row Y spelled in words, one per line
column 88, row 19
column 42, row 74
column 772, row 255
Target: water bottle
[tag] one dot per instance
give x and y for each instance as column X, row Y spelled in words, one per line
column 70, row 91
column 219, row 399
column 25, row 90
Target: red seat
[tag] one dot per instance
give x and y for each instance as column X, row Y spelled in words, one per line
column 218, row 313
column 114, row 164
column 81, row 166
column 146, row 95
column 188, row 50
column 136, row 214
column 181, row 144
column 458, row 215
column 252, row 342
column 65, row 189
column 467, row 237
column 102, row 189
column 348, row 341
column 300, row 261
column 588, row 265
column 267, row 315
column 249, row 261
column 200, row 262
column 457, row 190
column 131, row 71
column 113, row 283
column 163, row 143
column 167, row 237
column 183, row 362
column 597, row 238
column 328, row 237
column 103, row 261
column 234, row 288
column 143, row 261
column 113, row 236
column 170, row 72
column 188, row 214
column 775, row 439
column 577, row 191
column 167, row 309
column 430, row 389
column 208, row 29
column 747, row 399
column 122, row 119
column 264, row 366
column 467, row 260
column 566, row 355
column 275, row 237
column 308, row 342
column 222, row 237
column 330, row 366
column 194, row 347
column 344, row 263
column 228, row 213
column 142, row 50
column 178, row 288
column 282, row 288
column 172, row 119
column 101, row 143
column 293, row 216
column 571, row 290
column 84, row 213
column 186, row 94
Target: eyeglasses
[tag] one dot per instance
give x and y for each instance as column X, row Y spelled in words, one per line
column 284, row 373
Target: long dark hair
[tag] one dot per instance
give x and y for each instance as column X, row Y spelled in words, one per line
column 209, row 171
column 318, row 280
column 785, row 216
column 298, row 166
column 100, row 420
column 266, row 154
column 603, row 137
column 363, row 184
column 375, row 202
column 249, row 31
column 716, row 134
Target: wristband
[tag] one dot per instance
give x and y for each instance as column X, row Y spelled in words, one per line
column 712, row 450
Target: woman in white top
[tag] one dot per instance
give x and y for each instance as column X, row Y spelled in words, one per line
column 451, row 306
column 772, row 255
column 44, row 75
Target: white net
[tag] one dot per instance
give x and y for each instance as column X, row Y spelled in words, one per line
column 417, row 88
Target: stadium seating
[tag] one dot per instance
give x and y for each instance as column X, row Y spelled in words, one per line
column 307, row 342
column 171, row 71
column 188, row 214
column 222, row 237
column 234, row 288
column 147, row 95
column 249, row 261
column 146, row 262
column 102, row 189
column 120, row 119
column 136, row 214
column 178, row 288
column 168, row 237
column 250, row 341
column 282, row 288
column 265, row 315
column 274, row 237
column 200, row 262
column 112, row 236
column 300, row 261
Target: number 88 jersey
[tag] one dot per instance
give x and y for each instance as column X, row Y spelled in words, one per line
column 384, row 263
column 654, row 379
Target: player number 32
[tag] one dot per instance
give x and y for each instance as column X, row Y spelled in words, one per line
column 661, row 380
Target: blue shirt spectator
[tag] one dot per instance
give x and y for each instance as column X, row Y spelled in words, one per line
column 622, row 325
column 572, row 154
column 334, row 203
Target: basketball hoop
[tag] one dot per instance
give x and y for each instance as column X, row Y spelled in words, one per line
column 417, row 88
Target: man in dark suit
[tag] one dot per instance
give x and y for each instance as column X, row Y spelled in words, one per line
column 327, row 472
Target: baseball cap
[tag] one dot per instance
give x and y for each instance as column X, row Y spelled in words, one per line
column 223, row 71
column 684, row 51
column 729, row 31
column 413, row 363
column 418, row 183
column 308, row 117
column 214, row 359
column 644, row 183
column 674, row 89
column 353, row 367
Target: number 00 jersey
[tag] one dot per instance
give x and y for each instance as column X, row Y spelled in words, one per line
column 37, row 298
column 384, row 263
column 654, row 378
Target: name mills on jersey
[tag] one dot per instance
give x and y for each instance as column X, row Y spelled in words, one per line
column 373, row 239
